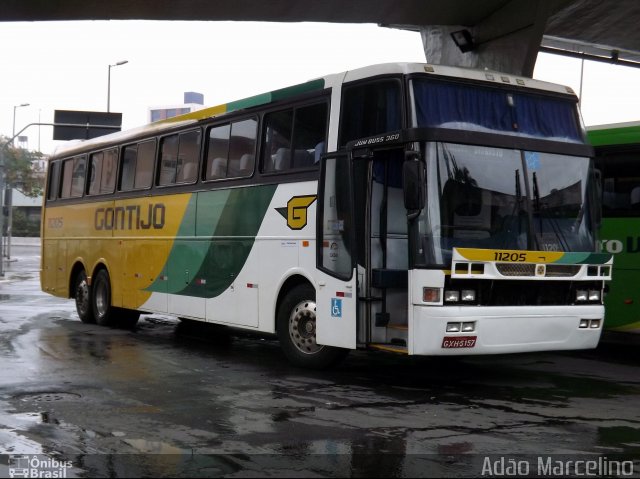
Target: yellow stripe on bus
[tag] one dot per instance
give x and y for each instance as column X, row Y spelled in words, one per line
column 510, row 256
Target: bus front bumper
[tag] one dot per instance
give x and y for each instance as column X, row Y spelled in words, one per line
column 501, row 330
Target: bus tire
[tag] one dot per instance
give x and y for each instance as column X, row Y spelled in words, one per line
column 101, row 298
column 82, row 295
column 296, row 322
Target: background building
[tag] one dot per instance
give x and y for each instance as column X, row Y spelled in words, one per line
column 192, row 101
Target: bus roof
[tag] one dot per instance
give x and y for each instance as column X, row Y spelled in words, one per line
column 614, row 134
column 328, row 81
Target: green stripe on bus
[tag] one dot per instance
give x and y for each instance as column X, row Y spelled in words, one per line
column 276, row 95
column 584, row 258
column 227, row 222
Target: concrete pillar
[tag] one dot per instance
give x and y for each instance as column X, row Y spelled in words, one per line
column 507, row 40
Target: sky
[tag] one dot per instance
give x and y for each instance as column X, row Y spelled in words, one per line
column 64, row 65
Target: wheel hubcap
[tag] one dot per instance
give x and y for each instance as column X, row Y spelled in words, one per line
column 302, row 327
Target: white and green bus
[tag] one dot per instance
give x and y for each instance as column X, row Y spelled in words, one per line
column 414, row 208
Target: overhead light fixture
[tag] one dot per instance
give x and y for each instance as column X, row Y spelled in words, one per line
column 463, row 40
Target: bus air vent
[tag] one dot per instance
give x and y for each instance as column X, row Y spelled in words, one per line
column 516, row 269
column 562, row 270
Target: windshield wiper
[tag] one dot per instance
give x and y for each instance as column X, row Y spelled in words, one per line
column 542, row 215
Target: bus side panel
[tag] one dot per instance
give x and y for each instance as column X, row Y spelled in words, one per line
column 622, row 302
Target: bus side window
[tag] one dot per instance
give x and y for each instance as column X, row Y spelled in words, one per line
column 370, row 109
column 276, row 151
column 291, row 138
column 242, row 148
column 188, row 157
column 144, row 165
column 108, row 176
column 73, row 176
column 52, row 189
column 95, row 172
column 217, row 152
column 168, row 160
column 129, row 158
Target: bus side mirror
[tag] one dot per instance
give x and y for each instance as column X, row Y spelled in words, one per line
column 413, row 184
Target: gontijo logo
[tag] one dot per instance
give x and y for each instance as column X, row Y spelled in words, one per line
column 296, row 211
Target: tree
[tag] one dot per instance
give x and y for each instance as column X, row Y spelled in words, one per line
column 19, row 169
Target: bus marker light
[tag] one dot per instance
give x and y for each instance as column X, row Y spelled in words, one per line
column 581, row 295
column 628, row 301
column 584, row 323
column 431, row 295
column 305, row 244
column 453, row 327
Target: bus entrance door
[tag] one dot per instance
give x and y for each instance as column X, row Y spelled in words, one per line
column 337, row 291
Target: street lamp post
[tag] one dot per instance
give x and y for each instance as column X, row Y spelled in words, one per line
column 9, row 190
column 109, row 83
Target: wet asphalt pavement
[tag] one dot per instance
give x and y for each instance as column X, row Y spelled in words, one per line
column 173, row 400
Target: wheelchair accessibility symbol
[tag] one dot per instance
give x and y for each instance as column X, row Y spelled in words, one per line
column 336, row 308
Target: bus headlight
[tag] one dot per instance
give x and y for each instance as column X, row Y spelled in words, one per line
column 594, row 295
column 468, row 295
column 453, row 327
column 581, row 295
column 451, row 296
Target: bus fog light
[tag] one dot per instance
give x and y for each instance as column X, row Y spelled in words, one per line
column 594, row 295
column 468, row 295
column 451, row 296
column 595, row 323
column 468, row 327
column 584, row 323
column 431, row 295
column 453, row 327
column 581, row 295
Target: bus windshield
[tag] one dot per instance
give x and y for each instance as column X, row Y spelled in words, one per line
column 494, row 198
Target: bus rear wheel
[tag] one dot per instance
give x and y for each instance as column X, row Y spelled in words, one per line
column 82, row 295
column 101, row 298
column 296, row 323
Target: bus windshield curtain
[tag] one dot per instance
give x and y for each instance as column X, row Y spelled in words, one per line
column 452, row 105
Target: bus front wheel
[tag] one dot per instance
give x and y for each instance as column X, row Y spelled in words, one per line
column 297, row 331
column 82, row 294
column 101, row 298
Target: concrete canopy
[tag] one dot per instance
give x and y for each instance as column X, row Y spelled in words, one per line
column 506, row 34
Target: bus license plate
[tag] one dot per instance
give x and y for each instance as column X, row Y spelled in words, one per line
column 459, row 342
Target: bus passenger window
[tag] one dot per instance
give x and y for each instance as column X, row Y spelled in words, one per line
column 54, row 170
column 129, row 158
column 242, row 148
column 168, row 160
column 144, row 165
column 276, row 152
column 308, row 134
column 73, row 177
column 109, row 166
column 95, row 173
column 231, row 150
column 217, row 152
column 179, row 158
column 294, row 138
column 188, row 157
